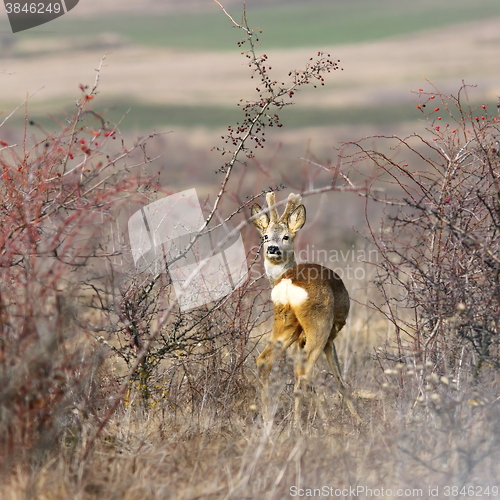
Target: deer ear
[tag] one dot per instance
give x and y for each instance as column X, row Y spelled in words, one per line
column 261, row 222
column 297, row 219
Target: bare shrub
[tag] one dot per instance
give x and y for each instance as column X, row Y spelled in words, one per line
column 56, row 190
column 439, row 244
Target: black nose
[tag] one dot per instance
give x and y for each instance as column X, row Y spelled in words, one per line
column 273, row 250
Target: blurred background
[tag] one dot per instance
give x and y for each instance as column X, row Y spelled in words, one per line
column 176, row 65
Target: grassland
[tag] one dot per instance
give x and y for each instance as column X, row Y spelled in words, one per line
column 142, row 116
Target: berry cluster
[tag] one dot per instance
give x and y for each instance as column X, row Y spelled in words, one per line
column 273, row 95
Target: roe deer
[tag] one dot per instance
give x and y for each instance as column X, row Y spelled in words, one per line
column 310, row 301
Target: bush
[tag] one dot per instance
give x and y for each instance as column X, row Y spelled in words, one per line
column 56, row 191
column 439, row 271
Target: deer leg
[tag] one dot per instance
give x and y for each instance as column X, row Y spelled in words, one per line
column 316, row 332
column 273, row 350
column 333, row 361
column 303, row 372
column 265, row 361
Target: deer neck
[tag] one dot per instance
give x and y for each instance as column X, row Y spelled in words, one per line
column 275, row 271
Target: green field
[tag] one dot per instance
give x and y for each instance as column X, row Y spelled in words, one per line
column 317, row 24
column 141, row 116
column 133, row 116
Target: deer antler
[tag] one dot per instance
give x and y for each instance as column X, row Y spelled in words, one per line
column 294, row 200
column 271, row 201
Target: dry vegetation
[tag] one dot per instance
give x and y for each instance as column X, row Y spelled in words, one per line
column 107, row 390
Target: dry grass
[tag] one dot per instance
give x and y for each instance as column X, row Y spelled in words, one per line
column 195, row 441
column 448, row 437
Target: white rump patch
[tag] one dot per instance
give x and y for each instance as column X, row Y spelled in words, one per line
column 285, row 292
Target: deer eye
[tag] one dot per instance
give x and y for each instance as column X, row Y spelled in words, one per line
column 286, row 237
column 266, row 237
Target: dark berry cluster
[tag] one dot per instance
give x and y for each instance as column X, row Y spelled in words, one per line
column 273, row 95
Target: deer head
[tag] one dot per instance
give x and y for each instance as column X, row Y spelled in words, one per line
column 279, row 233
